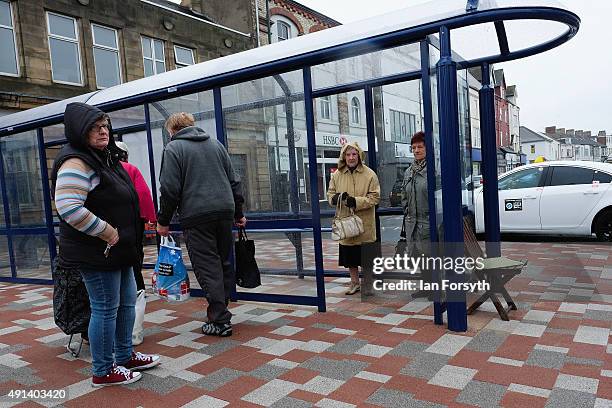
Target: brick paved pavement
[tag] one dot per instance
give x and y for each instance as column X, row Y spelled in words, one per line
column 555, row 352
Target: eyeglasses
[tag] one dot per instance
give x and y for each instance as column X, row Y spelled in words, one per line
column 97, row 128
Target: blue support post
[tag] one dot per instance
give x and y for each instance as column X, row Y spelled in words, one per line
column 489, row 163
column 371, row 135
column 44, row 175
column 450, row 158
column 7, row 216
column 314, row 189
column 147, row 113
column 222, row 137
column 431, row 167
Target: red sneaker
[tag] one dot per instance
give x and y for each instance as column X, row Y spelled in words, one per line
column 117, row 376
column 140, row 361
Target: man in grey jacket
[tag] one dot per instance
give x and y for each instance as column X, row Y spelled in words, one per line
column 198, row 181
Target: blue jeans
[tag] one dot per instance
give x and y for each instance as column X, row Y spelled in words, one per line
column 112, row 295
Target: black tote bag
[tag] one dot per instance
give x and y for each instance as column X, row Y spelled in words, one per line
column 247, row 271
column 71, row 310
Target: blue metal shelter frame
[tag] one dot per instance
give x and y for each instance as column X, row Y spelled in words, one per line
column 446, row 76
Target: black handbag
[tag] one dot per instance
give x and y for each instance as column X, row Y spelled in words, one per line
column 247, row 271
column 71, row 310
column 402, row 244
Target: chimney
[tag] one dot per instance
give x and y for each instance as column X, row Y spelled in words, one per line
column 572, row 132
column 601, row 133
column 561, row 131
column 550, row 129
column 193, row 5
column 587, row 133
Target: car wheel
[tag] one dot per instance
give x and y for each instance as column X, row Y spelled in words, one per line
column 603, row 229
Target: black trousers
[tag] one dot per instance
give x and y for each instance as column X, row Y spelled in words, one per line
column 209, row 246
column 140, row 285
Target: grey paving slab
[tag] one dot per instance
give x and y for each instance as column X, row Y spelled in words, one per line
column 382, row 311
column 158, row 385
column 553, row 296
column 487, row 341
column 15, row 348
column 323, row 326
column 481, row 394
column 339, row 370
column 394, row 398
column 545, row 358
column 425, row 365
column 219, row 347
column 347, row 346
column 560, row 398
column 23, row 375
column 217, row 379
column 289, row 402
column 280, row 322
column 583, row 361
column 409, row 349
column 604, row 315
column 268, row 372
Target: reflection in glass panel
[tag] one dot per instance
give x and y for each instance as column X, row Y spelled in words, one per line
column 5, row 262
column 105, row 36
column 263, row 118
column 139, row 153
column 201, row 105
column 465, row 144
column 281, row 257
column 397, row 116
column 434, row 57
column 127, row 117
column 332, row 134
column 32, row 256
column 405, row 58
column 22, row 177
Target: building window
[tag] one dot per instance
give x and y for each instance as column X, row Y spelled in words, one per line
column 326, row 107
column 532, row 149
column 106, row 56
column 18, row 168
column 8, row 46
column 355, row 110
column 153, row 56
column 403, row 126
column 65, row 50
column 283, row 31
column 183, row 56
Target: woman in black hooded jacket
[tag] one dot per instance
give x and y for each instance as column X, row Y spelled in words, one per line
column 98, row 208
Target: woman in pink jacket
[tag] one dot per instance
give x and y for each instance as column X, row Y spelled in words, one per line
column 147, row 210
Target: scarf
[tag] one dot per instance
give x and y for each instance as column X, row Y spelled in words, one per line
column 418, row 165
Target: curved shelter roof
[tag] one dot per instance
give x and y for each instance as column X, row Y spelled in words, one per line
column 482, row 31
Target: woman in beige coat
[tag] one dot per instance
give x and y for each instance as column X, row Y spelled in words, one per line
column 357, row 186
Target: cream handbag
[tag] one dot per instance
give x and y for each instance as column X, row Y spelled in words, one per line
column 345, row 227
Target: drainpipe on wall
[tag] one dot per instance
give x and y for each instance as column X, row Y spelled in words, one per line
column 268, row 21
column 257, row 22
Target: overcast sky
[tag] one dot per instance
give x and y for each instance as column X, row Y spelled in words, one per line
column 569, row 86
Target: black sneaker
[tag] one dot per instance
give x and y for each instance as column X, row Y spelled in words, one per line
column 216, row 329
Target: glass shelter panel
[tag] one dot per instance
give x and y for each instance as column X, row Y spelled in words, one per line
column 266, row 139
column 127, row 117
column 405, row 58
column 465, row 144
column 31, row 254
column 22, row 178
column 474, row 41
column 397, row 117
column 434, row 57
column 5, row 261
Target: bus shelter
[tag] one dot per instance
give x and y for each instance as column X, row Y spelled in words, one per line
column 284, row 111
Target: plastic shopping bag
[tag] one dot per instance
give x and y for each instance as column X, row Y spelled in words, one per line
column 137, row 333
column 170, row 279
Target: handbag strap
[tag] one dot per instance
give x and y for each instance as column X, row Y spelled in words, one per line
column 242, row 235
column 339, row 207
column 403, row 232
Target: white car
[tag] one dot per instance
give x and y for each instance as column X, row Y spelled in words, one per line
column 554, row 198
